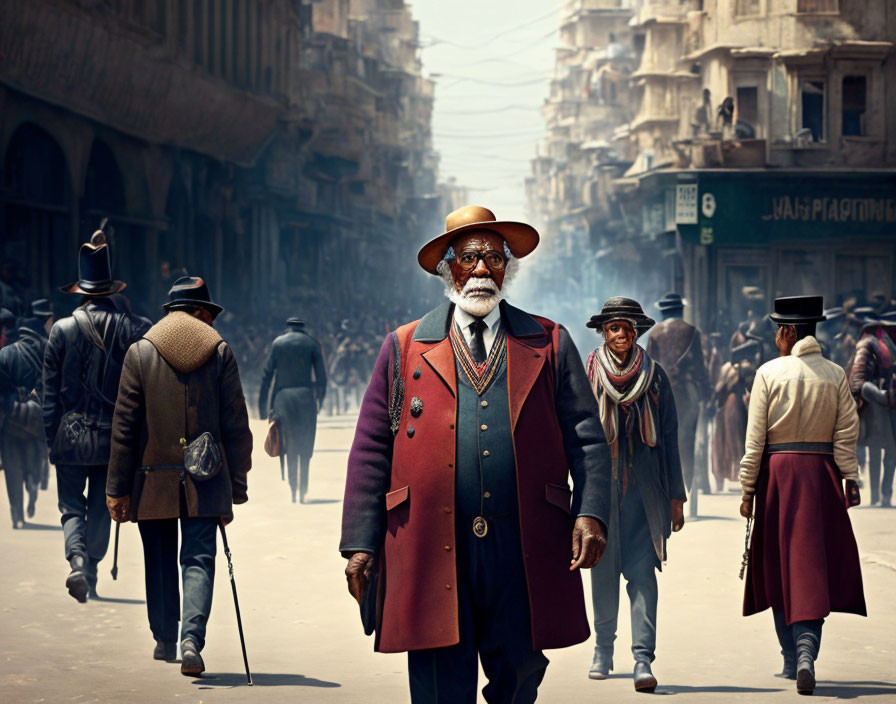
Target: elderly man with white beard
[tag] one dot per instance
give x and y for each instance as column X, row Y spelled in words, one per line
column 464, row 541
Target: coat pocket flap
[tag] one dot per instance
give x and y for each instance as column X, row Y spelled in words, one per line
column 397, row 497
column 559, row 496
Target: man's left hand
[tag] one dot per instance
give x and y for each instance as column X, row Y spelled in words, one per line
column 677, row 511
column 119, row 507
column 588, row 543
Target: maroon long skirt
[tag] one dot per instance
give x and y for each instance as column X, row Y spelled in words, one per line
column 803, row 556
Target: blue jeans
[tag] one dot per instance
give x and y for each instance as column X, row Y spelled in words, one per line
column 197, row 562
column 635, row 560
column 85, row 519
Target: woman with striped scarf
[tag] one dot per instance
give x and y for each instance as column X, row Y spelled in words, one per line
column 637, row 411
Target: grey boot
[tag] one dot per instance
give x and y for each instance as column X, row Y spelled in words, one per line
column 602, row 664
column 191, row 663
column 808, row 641
column 644, row 679
column 76, row 582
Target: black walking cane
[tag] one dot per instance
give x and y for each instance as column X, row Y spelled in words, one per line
column 236, row 603
column 115, row 558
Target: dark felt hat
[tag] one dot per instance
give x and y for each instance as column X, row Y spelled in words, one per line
column 670, row 301
column 41, row 308
column 617, row 308
column 520, row 237
column 94, row 270
column 793, row 310
column 298, row 322
column 7, row 319
column 191, row 291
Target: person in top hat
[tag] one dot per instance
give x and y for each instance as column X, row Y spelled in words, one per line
column 637, row 412
column 81, row 370
column 677, row 347
column 180, row 381
column 871, row 377
column 22, row 444
column 803, row 558
column 475, row 419
column 295, row 399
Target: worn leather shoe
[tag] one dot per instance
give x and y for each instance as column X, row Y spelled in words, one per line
column 805, row 677
column 164, row 651
column 76, row 582
column 644, row 679
column 191, row 663
column 601, row 665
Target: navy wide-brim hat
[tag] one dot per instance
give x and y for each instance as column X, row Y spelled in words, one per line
column 191, row 291
column 670, row 301
column 619, row 308
column 794, row 310
column 94, row 273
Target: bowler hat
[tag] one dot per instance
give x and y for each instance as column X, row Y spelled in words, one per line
column 521, row 238
column 191, row 291
column 793, row 310
column 298, row 322
column 670, row 301
column 619, row 308
column 41, row 308
column 94, row 271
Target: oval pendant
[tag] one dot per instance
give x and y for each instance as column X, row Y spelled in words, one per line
column 480, row 527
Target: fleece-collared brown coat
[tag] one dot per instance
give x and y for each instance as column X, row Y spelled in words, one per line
column 179, row 381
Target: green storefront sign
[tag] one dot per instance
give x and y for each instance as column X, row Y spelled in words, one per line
column 743, row 208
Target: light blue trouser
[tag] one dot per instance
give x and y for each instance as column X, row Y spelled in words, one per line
column 633, row 557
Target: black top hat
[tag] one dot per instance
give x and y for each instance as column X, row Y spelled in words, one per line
column 94, row 273
column 41, row 308
column 191, row 291
column 617, row 308
column 298, row 322
column 793, row 310
column 670, row 301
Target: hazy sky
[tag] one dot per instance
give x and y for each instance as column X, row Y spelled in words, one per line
column 492, row 61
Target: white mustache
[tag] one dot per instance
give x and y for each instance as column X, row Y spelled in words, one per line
column 478, row 284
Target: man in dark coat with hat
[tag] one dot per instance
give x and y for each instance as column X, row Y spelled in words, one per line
column 296, row 397
column 22, row 442
column 803, row 562
column 637, row 412
column 81, row 369
column 677, row 347
column 180, row 381
column 457, row 494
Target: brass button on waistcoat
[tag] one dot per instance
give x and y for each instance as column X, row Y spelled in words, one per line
column 483, row 427
column 488, row 494
column 483, row 403
column 486, row 453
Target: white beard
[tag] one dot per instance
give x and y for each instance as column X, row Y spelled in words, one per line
column 479, row 304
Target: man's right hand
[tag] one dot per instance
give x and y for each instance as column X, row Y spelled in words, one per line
column 357, row 572
column 746, row 506
column 119, row 508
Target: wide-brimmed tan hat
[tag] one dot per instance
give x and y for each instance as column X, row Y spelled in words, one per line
column 520, row 237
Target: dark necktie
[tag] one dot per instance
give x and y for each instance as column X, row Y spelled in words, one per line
column 477, row 348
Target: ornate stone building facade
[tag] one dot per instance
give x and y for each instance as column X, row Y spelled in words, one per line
column 275, row 146
column 753, row 146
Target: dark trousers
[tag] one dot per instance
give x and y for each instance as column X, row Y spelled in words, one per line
column 21, row 465
column 802, row 635
column 495, row 627
column 297, row 471
column 85, row 518
column 197, row 562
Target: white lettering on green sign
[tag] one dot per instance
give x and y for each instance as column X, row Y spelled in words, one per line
column 808, row 209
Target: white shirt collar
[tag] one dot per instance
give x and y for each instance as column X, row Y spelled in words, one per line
column 464, row 319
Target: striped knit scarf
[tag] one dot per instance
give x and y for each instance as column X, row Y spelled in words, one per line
column 625, row 388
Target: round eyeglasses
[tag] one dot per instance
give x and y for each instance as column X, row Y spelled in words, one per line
column 493, row 260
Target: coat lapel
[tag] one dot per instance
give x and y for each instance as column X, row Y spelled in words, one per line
column 441, row 359
column 524, row 364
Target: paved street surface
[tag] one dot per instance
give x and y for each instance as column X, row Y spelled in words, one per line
column 305, row 640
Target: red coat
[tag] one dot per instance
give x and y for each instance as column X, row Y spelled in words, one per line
column 555, row 432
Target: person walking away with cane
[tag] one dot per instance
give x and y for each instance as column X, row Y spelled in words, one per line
column 181, row 450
